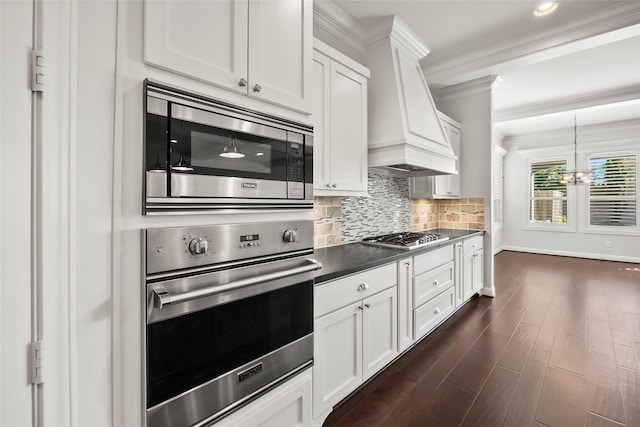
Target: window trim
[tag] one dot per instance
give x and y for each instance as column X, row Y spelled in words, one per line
column 570, row 226
column 611, row 229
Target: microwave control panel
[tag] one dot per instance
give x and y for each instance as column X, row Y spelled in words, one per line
column 295, row 162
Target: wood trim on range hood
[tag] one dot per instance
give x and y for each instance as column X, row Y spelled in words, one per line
column 406, row 136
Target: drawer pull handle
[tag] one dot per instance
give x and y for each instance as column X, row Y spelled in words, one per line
column 436, row 311
column 436, row 283
column 363, row 286
column 475, row 246
column 367, row 305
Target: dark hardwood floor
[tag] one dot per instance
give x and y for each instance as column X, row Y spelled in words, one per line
column 558, row 346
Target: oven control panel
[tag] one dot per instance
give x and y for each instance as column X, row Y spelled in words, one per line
column 175, row 248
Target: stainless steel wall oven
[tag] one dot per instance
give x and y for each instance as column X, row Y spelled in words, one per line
column 202, row 154
column 229, row 315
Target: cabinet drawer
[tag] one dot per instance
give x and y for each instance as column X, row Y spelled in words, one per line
column 473, row 244
column 338, row 293
column 427, row 316
column 433, row 259
column 429, row 284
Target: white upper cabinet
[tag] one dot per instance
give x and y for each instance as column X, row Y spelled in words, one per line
column 262, row 49
column 340, row 123
column 441, row 186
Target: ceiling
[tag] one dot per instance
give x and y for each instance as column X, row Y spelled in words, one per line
column 583, row 59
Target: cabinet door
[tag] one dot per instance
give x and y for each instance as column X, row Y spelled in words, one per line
column 321, row 125
column 405, row 303
column 337, row 369
column 348, row 129
column 453, row 181
column 467, row 277
column 477, row 271
column 379, row 329
column 205, row 40
column 280, row 52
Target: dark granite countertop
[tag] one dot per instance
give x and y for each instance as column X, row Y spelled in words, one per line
column 354, row 257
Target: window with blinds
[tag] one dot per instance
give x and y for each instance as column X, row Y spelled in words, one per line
column 547, row 196
column 613, row 191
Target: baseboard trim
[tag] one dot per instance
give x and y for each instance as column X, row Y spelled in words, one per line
column 603, row 257
column 488, row 292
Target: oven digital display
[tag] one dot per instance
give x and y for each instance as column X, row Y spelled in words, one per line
column 249, row 237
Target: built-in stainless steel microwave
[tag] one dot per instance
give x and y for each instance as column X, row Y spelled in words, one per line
column 206, row 155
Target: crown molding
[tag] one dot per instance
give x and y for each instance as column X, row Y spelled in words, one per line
column 596, row 99
column 621, row 21
column 335, row 21
column 479, row 85
column 395, row 28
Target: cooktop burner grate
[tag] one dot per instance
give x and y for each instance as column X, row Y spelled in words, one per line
column 405, row 240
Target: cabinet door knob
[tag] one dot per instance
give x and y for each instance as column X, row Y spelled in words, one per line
column 242, row 82
column 328, row 185
column 334, row 185
column 367, row 305
column 360, row 307
column 257, row 88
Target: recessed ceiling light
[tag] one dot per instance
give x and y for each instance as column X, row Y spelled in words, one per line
column 545, row 8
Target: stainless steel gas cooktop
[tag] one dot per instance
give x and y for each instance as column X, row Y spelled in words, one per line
column 407, row 240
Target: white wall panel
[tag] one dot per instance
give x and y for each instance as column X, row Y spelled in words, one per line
column 15, row 212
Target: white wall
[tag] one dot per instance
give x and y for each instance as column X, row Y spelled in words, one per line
column 625, row 245
column 15, row 212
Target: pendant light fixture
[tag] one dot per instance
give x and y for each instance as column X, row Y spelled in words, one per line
column 575, row 176
column 231, row 150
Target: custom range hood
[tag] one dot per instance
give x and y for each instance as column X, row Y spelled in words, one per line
column 405, row 134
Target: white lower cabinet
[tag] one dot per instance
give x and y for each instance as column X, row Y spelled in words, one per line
column 288, row 405
column 434, row 292
column 355, row 333
column 363, row 321
column 470, row 265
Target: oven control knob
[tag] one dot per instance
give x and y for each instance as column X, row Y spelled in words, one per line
column 289, row 236
column 198, row 246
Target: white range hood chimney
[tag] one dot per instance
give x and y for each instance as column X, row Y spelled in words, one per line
column 405, row 133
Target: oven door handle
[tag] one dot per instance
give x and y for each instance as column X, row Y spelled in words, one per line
column 163, row 298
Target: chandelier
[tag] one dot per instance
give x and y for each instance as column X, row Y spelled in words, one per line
column 575, row 176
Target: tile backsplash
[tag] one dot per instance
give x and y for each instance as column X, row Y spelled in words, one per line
column 388, row 209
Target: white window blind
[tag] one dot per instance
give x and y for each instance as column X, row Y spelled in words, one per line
column 547, row 196
column 497, row 190
column 613, row 191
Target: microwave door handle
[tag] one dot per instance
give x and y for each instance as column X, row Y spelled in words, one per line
column 163, row 298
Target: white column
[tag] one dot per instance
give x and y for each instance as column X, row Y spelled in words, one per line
column 471, row 103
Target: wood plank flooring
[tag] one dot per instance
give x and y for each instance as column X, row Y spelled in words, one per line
column 558, row 346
